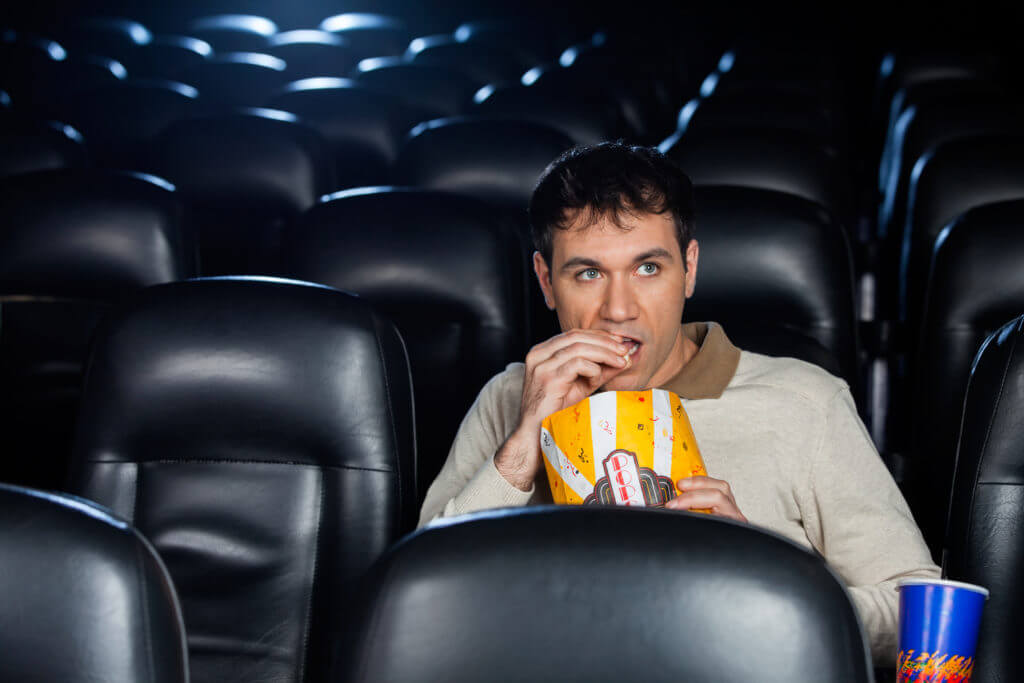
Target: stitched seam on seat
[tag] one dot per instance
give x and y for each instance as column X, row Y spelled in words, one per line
column 988, row 433
column 312, row 587
column 198, row 461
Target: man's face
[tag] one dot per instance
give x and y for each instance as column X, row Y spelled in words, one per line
column 629, row 282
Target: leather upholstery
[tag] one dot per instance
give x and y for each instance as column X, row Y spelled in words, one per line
column 71, row 243
column 446, row 270
column 950, row 179
column 483, row 62
column 440, row 90
column 365, row 128
column 233, row 32
column 763, row 158
column 259, row 432
column 777, row 272
column 237, row 79
column 310, row 53
column 987, row 512
column 118, row 121
column 586, row 122
column 27, row 146
column 497, row 161
column 241, row 176
column 558, row 593
column 976, row 284
column 86, row 598
column 369, row 34
column 167, row 56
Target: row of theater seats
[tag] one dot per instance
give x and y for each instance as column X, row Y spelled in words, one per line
column 771, row 120
column 257, row 434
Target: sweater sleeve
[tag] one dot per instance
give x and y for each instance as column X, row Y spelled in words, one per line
column 862, row 525
column 469, row 481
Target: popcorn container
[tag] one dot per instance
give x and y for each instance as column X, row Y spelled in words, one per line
column 620, row 448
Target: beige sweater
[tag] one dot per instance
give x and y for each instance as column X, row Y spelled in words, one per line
column 786, row 436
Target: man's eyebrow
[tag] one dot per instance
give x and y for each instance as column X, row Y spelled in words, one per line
column 578, row 261
column 658, row 253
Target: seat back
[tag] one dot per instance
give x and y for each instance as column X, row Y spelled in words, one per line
column 259, row 433
column 72, row 243
column 987, row 510
column 446, row 270
column 598, row 593
column 441, row 90
column 86, row 598
column 242, row 175
column 976, row 283
column 27, row 146
column 777, row 272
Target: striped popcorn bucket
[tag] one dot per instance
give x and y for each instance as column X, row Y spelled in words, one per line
column 620, row 448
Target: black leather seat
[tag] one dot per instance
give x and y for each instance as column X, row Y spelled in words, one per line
column 369, row 34
column 237, row 79
column 976, row 284
column 586, row 122
column 776, row 270
column 27, row 145
column 312, row 53
column 259, row 433
column 72, row 243
column 483, row 62
column 437, row 89
column 167, row 57
column 86, row 598
column 365, row 128
column 951, row 178
column 531, row 39
column 242, row 175
column 233, row 32
column 988, row 499
column 120, row 121
column 764, row 158
column 497, row 161
column 446, row 270
column 575, row 594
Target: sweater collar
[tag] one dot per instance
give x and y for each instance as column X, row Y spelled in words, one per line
column 710, row 370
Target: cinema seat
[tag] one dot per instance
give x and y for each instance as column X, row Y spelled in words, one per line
column 233, row 32
column 86, row 598
column 311, row 53
column 777, row 272
column 72, row 243
column 364, row 128
column 440, row 90
column 167, row 57
column 483, row 62
column 976, row 283
column 985, row 515
column 237, row 79
column 562, row 594
column 241, row 176
column 28, row 145
column 370, row 34
column 445, row 269
column 259, row 433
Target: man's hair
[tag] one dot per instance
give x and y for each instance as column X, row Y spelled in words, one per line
column 609, row 179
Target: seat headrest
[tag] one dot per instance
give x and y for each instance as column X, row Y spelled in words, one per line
column 447, row 254
column 977, row 281
column 773, row 261
column 245, row 369
column 498, row 161
column 85, row 595
column 89, row 234
column 590, row 593
column 236, row 160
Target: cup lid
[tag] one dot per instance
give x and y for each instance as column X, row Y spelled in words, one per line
column 943, row 582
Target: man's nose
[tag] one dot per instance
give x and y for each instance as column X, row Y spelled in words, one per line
column 619, row 302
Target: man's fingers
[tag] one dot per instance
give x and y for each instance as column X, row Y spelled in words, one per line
column 707, row 499
column 702, row 482
column 564, row 359
column 545, row 350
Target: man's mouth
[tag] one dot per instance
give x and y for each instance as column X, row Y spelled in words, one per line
column 632, row 346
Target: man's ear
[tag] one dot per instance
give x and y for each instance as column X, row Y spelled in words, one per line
column 540, row 267
column 691, row 256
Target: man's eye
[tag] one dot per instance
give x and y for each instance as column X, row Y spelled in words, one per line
column 648, row 269
column 589, row 274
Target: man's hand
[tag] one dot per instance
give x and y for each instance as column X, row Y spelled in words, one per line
column 705, row 493
column 560, row 372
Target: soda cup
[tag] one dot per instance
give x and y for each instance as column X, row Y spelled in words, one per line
column 939, row 623
column 620, row 448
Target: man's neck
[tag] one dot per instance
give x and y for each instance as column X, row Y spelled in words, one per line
column 683, row 350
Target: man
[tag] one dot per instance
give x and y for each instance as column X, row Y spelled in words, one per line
column 781, row 440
